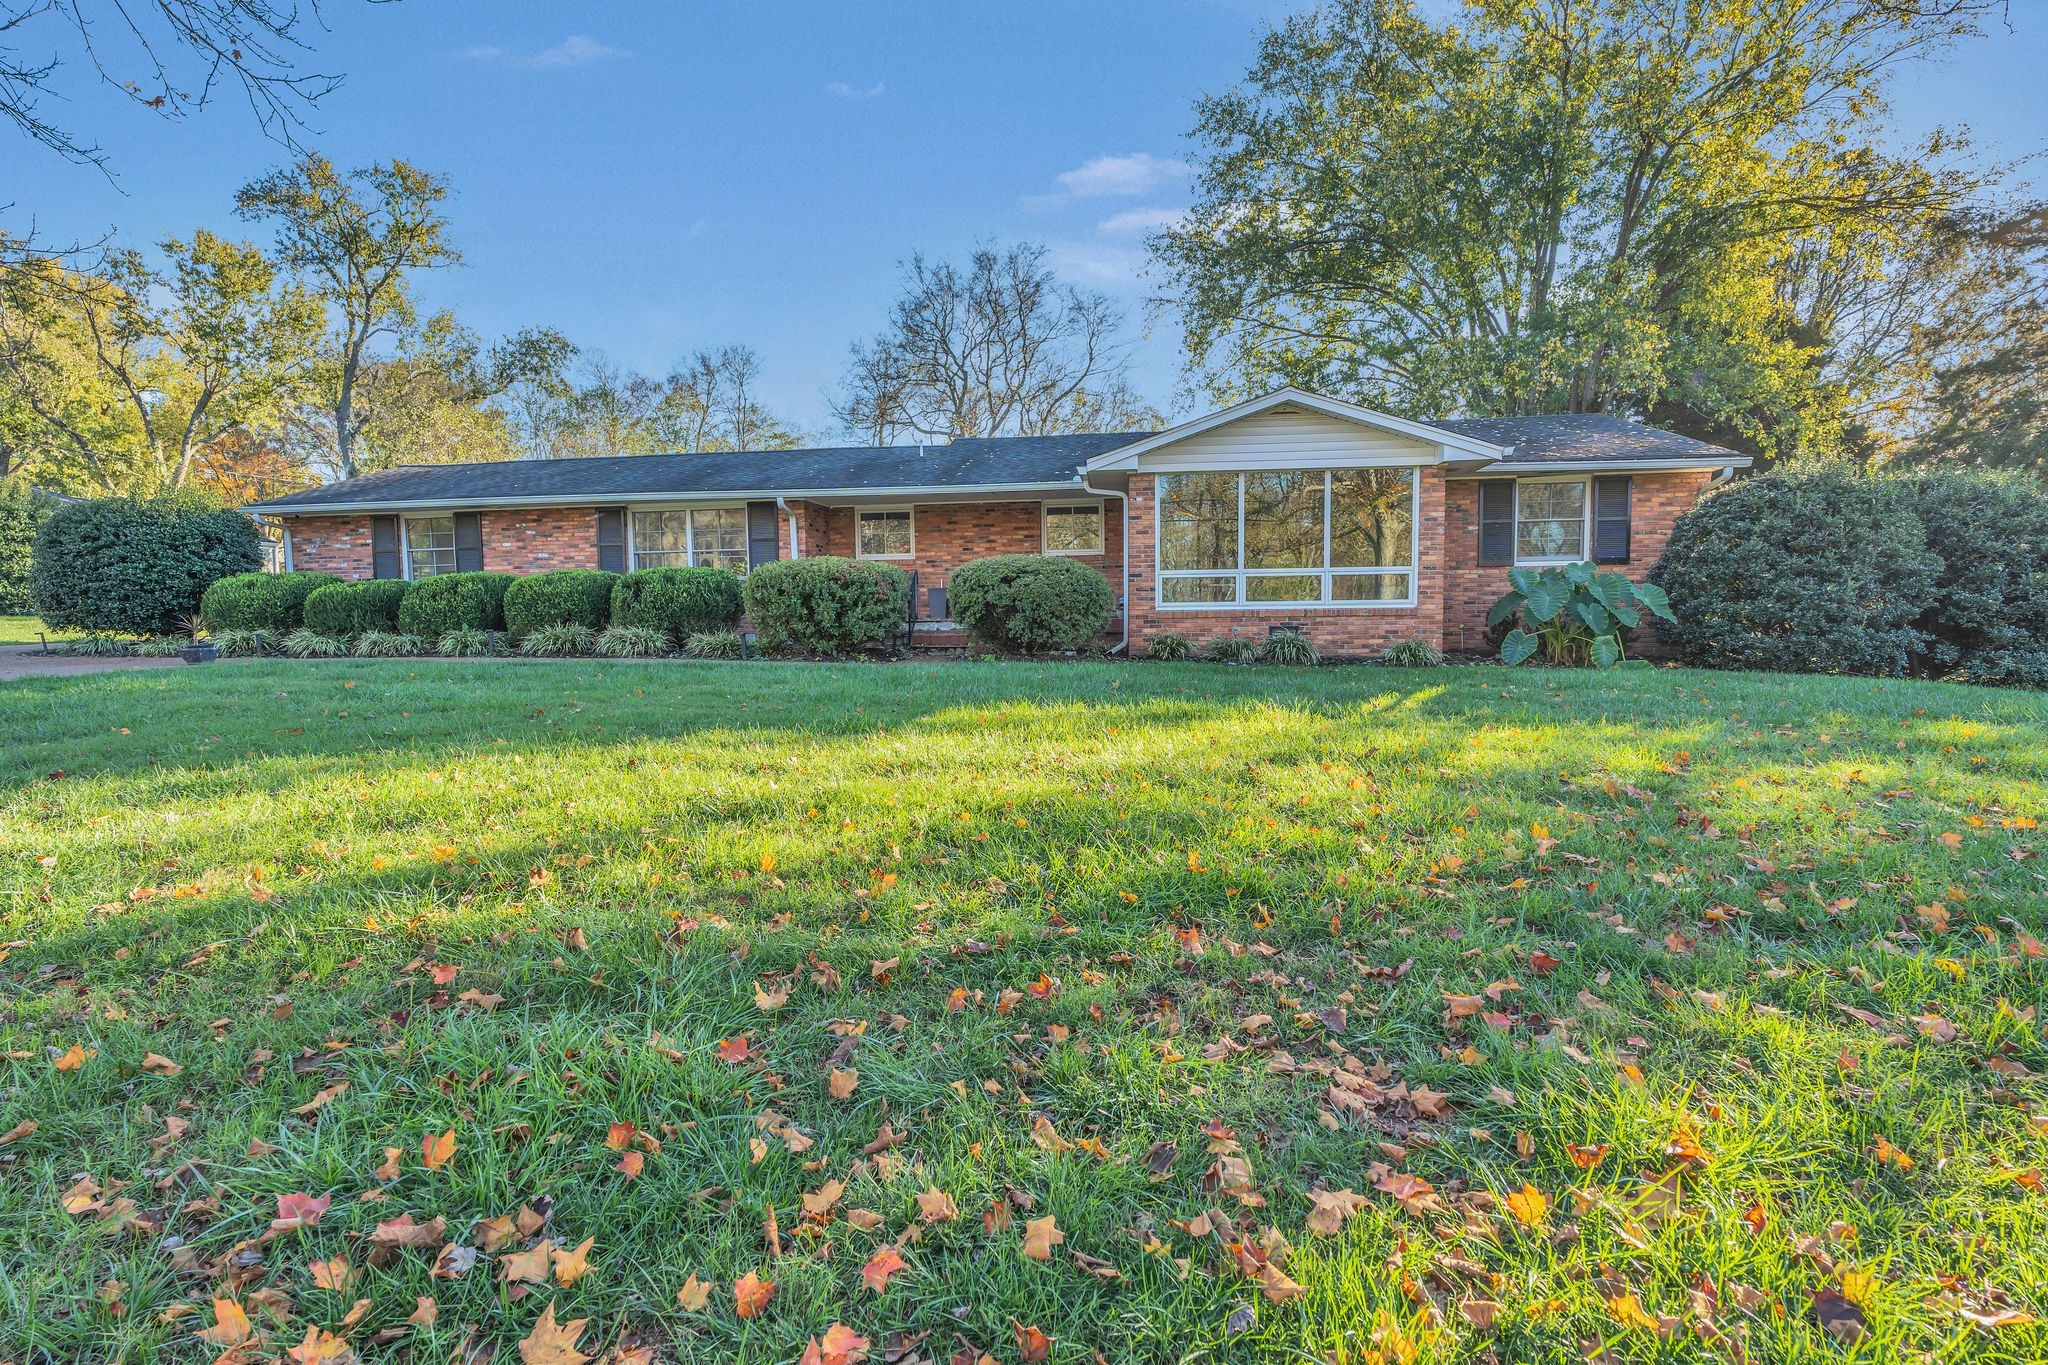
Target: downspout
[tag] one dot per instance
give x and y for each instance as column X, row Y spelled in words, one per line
column 1722, row 475
column 796, row 551
column 1124, row 644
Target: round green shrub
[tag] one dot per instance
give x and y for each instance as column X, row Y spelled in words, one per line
column 133, row 566
column 1800, row 571
column 22, row 513
column 560, row 597
column 275, row 602
column 1987, row 619
column 349, row 609
column 827, row 605
column 447, row 602
column 1030, row 602
column 679, row 601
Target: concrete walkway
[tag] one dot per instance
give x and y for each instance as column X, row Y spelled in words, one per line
column 28, row 661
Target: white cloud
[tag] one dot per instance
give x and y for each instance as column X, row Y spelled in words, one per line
column 1133, row 222
column 1125, row 176
column 844, row 90
column 575, row 50
column 1116, row 269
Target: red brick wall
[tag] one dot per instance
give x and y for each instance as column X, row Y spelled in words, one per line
column 1336, row 631
column 528, row 541
column 1656, row 502
column 336, row 545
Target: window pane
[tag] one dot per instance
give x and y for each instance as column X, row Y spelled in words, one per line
column 1208, row 589
column 1283, row 588
column 721, row 537
column 1283, row 520
column 1369, row 587
column 430, row 544
column 1550, row 520
column 661, row 538
column 1198, row 523
column 1073, row 530
column 1372, row 517
column 885, row 533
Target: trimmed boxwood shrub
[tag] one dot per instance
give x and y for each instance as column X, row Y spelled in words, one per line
column 1030, row 602
column 825, row 604
column 349, row 609
column 275, row 602
column 22, row 513
column 447, row 602
column 682, row 602
column 1800, row 571
column 1987, row 620
column 133, row 566
column 560, row 597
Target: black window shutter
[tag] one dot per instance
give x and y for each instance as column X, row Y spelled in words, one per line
column 611, row 541
column 1611, row 519
column 764, row 538
column 1496, row 522
column 469, row 542
column 385, row 560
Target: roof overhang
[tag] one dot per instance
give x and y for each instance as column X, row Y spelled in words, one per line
column 1453, row 445
column 918, row 492
column 1532, row 467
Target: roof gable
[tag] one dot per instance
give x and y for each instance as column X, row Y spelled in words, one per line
column 1419, row 436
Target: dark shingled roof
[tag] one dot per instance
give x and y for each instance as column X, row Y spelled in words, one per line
column 967, row 463
column 1576, row 436
column 974, row 462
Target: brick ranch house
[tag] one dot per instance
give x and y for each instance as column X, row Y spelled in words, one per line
column 1290, row 510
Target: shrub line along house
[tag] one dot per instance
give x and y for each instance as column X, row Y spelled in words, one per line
column 1291, row 511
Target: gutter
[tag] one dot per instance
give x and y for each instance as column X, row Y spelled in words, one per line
column 1726, row 466
column 652, row 498
column 1124, row 498
column 796, row 550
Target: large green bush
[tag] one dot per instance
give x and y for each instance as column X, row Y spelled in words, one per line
column 275, row 602
column 1030, row 602
column 455, row 601
column 560, row 597
column 1800, row 571
column 682, row 602
column 22, row 513
column 825, row 604
column 1987, row 620
column 349, row 609
column 133, row 566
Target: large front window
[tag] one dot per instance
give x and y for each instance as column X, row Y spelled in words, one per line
column 706, row 537
column 1550, row 520
column 1315, row 536
column 430, row 545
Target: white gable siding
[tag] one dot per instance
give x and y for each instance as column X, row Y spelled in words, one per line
column 1288, row 438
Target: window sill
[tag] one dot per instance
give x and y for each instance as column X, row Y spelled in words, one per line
column 1285, row 606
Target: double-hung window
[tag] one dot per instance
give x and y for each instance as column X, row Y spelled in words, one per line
column 703, row 537
column 885, row 533
column 429, row 546
column 1072, row 528
column 1550, row 521
column 1282, row 538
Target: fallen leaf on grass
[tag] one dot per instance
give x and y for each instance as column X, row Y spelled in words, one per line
column 299, row 1211
column 1333, row 1209
column 73, row 1058
column 840, row 1345
column 1032, row 1344
column 880, row 1267
column 1529, row 1206
column 571, row 1266
column 1041, row 1235
column 842, row 1083
column 158, row 1065
column 631, row 1164
column 335, row 1275
column 231, row 1326
column 19, row 1131
column 750, row 1294
column 553, row 1343
column 321, row 1347
column 1276, row 1286
column 438, row 1151
column 530, row 1265
column 694, row 1294
column 1842, row 1318
column 936, row 1206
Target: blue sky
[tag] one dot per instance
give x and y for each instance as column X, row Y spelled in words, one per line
column 654, row 177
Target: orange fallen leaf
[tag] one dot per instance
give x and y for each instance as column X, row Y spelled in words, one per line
column 159, row 1065
column 438, row 1151
column 1276, row 1286
column 1041, row 1235
column 231, row 1326
column 424, row 1312
column 881, row 1266
column 1032, row 1344
column 553, row 1343
column 750, row 1294
column 630, row 1164
column 571, row 1266
column 840, row 1345
column 842, row 1083
column 1528, row 1205
column 73, row 1058
column 735, row 1050
column 694, row 1294
column 936, row 1206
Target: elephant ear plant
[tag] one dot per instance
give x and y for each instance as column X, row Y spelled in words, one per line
column 1574, row 614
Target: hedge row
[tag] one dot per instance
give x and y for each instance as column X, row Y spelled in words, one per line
column 1942, row 573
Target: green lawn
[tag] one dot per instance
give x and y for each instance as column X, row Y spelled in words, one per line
column 27, row 630
column 1733, row 982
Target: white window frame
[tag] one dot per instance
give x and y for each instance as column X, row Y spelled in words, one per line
column 689, row 529
column 1412, row 570
column 860, row 512
column 1101, row 536
column 405, row 543
column 1585, row 521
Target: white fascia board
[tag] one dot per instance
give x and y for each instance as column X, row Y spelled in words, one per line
column 1126, row 457
column 952, row 492
column 1602, row 467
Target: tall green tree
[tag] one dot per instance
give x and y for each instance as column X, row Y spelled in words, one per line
column 356, row 239
column 1555, row 205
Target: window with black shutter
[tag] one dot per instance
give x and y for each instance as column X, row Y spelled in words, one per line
column 764, row 541
column 1611, row 520
column 386, row 561
column 469, row 542
column 611, row 540
column 1496, row 522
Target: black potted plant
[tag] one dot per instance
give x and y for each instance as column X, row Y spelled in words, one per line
column 197, row 649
